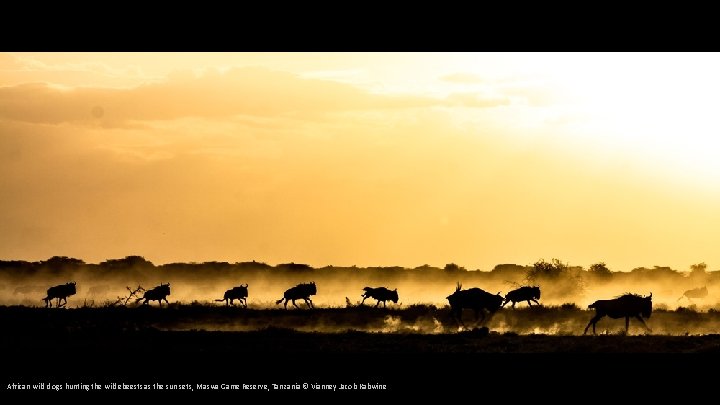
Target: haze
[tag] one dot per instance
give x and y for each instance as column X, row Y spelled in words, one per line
column 361, row 159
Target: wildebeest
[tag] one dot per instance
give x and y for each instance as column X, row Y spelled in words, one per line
column 303, row 291
column 695, row 293
column 523, row 294
column 475, row 299
column 158, row 294
column 236, row 293
column 381, row 294
column 61, row 292
column 622, row 307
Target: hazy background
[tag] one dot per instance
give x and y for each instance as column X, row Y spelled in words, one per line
column 392, row 159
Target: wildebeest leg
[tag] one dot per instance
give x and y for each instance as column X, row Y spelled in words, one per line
column 309, row 303
column 592, row 322
column 364, row 298
column 479, row 311
column 627, row 324
column 639, row 318
column 529, row 303
column 482, row 320
column 513, row 305
column 286, row 302
column 295, row 304
column 535, row 301
column 384, row 304
column 458, row 316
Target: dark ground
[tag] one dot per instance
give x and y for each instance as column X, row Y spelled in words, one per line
column 125, row 345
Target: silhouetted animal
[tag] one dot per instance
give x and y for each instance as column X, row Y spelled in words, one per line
column 695, row 293
column 523, row 294
column 158, row 294
column 236, row 293
column 303, row 291
column 61, row 292
column 381, row 294
column 475, row 299
column 622, row 307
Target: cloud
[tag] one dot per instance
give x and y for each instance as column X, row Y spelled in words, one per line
column 474, row 100
column 532, row 94
column 240, row 91
column 8, row 62
column 22, row 69
column 465, row 78
column 243, row 91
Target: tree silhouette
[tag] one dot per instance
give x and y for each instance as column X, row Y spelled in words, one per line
column 453, row 267
column 559, row 278
column 600, row 271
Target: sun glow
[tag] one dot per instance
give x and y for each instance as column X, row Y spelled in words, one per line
column 367, row 159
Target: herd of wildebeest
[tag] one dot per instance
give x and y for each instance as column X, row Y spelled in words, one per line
column 480, row 301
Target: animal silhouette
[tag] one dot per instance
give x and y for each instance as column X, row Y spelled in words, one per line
column 624, row 306
column 381, row 294
column 158, row 294
column 236, row 293
column 695, row 293
column 476, row 299
column 61, row 292
column 300, row 291
column 523, row 294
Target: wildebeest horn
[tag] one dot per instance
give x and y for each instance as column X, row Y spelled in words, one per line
column 459, row 286
column 650, row 296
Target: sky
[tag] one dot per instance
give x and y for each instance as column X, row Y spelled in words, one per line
column 367, row 159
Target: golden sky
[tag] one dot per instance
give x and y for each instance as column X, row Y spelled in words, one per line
column 362, row 158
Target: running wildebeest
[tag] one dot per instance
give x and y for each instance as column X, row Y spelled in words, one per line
column 61, row 292
column 523, row 294
column 695, row 293
column 236, row 293
column 622, row 307
column 475, row 299
column 381, row 294
column 303, row 291
column 158, row 294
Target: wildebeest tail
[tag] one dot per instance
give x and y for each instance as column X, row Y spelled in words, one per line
column 279, row 301
column 220, row 300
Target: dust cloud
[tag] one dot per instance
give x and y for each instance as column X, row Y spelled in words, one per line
column 421, row 308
